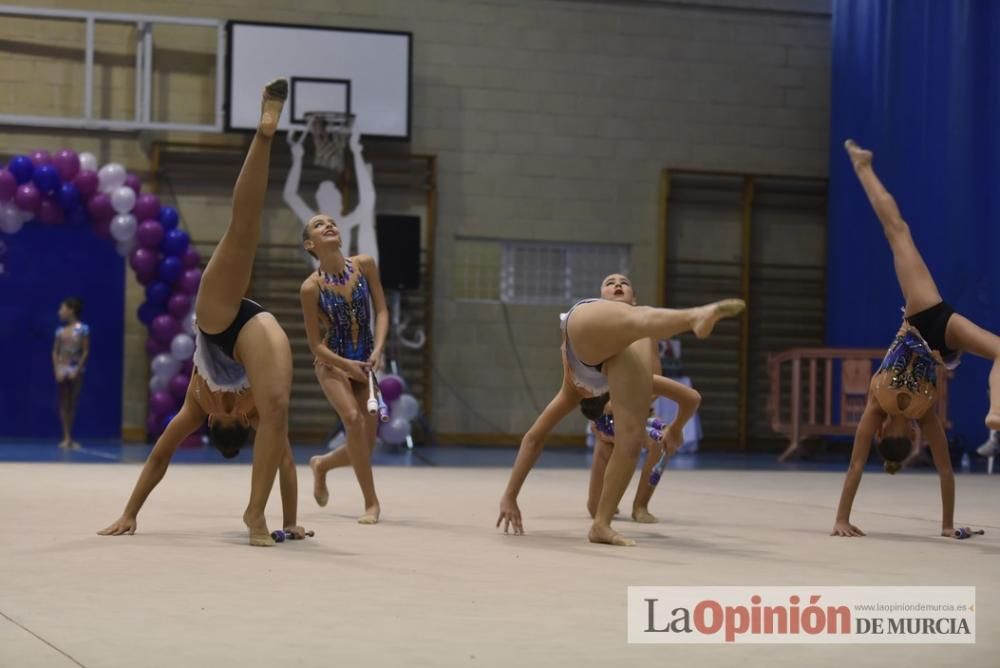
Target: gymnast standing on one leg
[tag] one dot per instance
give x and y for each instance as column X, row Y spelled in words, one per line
column 243, row 362
column 904, row 389
column 338, row 318
column 606, row 350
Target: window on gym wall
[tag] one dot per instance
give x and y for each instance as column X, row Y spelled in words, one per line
column 533, row 272
column 557, row 273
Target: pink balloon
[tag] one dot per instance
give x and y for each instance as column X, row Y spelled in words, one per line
column 143, row 260
column 49, row 212
column 161, row 403
column 86, row 182
column 165, row 327
column 134, row 182
column 102, row 228
column 179, row 385
column 27, row 197
column 149, row 234
column 100, row 207
column 67, row 164
column 146, row 206
column 40, row 157
column 154, row 347
column 179, row 305
column 191, row 258
column 8, row 185
column 189, row 282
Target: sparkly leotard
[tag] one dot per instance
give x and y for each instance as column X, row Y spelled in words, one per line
column 69, row 345
column 911, row 367
column 350, row 331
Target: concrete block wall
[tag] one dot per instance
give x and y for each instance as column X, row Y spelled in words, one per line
column 551, row 120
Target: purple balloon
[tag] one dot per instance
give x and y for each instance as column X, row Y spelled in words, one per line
column 154, row 347
column 102, row 228
column 134, row 182
column 146, row 276
column 191, row 258
column 154, row 425
column 143, row 260
column 165, row 327
column 179, row 385
column 146, row 206
column 40, row 157
column 189, row 281
column 162, row 402
column 67, row 164
column 86, row 182
column 187, row 367
column 392, row 388
column 27, row 197
column 49, row 212
column 8, row 185
column 100, row 207
column 179, row 305
column 149, row 234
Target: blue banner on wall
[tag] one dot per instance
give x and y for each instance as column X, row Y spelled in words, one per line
column 41, row 266
column 918, row 82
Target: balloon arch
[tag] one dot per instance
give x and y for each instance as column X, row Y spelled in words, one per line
column 68, row 189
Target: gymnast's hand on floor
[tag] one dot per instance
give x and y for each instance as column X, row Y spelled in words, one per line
column 510, row 514
column 846, row 529
column 123, row 525
column 296, row 532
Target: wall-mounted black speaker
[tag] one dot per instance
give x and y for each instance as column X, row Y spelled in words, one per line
column 398, row 239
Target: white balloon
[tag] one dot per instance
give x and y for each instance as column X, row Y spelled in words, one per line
column 165, row 365
column 125, row 247
column 158, row 383
column 88, row 161
column 406, row 407
column 188, row 323
column 122, row 199
column 25, row 216
column 111, row 177
column 10, row 219
column 182, row 347
column 123, row 225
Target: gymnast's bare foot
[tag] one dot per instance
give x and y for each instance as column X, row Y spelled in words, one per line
column 993, row 421
column 643, row 516
column 320, row 491
column 706, row 316
column 259, row 535
column 274, row 96
column 608, row 536
column 371, row 515
column 859, row 157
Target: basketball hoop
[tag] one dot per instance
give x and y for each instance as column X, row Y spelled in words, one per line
column 331, row 132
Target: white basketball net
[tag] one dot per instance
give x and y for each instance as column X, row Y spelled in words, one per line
column 331, row 133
